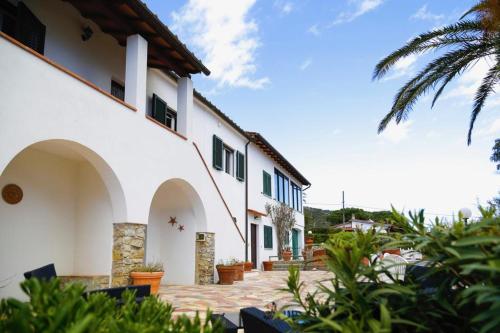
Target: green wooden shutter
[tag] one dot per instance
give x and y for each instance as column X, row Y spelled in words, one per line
column 240, row 166
column 266, row 180
column 217, row 153
column 268, row 237
column 159, row 110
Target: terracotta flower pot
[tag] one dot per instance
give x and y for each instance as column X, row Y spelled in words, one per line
column 392, row 251
column 248, row 266
column 365, row 261
column 239, row 268
column 268, row 265
column 287, row 255
column 151, row 278
column 226, row 274
column 309, row 242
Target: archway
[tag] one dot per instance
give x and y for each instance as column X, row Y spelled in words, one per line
column 71, row 197
column 170, row 242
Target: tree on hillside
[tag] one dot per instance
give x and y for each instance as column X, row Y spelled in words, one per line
column 335, row 217
column 495, row 156
column 476, row 36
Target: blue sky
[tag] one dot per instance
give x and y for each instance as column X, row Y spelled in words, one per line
column 299, row 72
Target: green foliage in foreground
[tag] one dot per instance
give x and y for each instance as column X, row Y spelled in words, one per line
column 52, row 309
column 464, row 260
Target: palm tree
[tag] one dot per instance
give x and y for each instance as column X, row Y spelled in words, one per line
column 465, row 43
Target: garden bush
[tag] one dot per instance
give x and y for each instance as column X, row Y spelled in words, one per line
column 54, row 309
column 463, row 261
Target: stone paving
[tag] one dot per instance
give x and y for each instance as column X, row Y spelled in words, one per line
column 258, row 289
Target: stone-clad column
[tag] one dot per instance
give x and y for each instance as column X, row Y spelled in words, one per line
column 205, row 258
column 128, row 250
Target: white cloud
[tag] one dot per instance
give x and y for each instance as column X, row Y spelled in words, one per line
column 402, row 68
column 361, row 7
column 306, row 64
column 314, row 29
column 492, row 130
column 470, row 80
column 424, row 14
column 223, row 32
column 396, row 133
column 285, row 7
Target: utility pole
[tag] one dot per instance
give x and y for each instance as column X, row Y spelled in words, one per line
column 343, row 208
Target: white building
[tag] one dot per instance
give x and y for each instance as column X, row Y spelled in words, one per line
column 103, row 142
column 364, row 225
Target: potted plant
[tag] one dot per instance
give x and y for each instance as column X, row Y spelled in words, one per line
column 248, row 266
column 148, row 274
column 283, row 217
column 286, row 253
column 226, row 272
column 268, row 265
column 239, row 268
column 309, row 239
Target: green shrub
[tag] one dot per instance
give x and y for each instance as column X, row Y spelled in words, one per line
column 52, row 309
column 464, row 260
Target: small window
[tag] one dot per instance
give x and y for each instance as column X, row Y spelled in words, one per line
column 163, row 114
column 282, row 187
column 266, row 186
column 268, row 237
column 228, row 160
column 118, row 90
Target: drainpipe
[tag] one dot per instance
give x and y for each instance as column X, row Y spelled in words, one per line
column 246, row 201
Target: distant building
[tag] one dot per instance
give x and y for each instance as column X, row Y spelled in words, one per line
column 364, row 225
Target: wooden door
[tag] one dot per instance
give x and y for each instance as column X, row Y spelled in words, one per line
column 253, row 244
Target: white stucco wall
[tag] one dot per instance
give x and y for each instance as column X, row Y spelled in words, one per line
column 64, row 218
column 98, row 59
column 165, row 242
column 140, row 154
column 259, row 162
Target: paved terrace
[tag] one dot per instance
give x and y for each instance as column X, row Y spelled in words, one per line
column 258, row 289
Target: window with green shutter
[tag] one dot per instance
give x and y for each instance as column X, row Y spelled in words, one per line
column 266, row 186
column 218, row 148
column 268, row 237
column 240, row 166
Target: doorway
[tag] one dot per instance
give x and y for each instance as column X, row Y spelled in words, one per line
column 253, row 244
column 295, row 244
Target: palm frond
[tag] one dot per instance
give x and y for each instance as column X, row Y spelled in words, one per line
column 442, row 69
column 485, row 89
column 458, row 33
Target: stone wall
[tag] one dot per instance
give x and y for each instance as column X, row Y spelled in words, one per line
column 91, row 282
column 128, row 250
column 205, row 259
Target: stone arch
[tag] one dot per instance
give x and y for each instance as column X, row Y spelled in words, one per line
column 166, row 242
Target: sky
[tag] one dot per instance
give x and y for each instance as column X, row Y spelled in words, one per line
column 300, row 73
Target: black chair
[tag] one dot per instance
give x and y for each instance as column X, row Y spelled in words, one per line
column 229, row 326
column 257, row 321
column 46, row 272
column 141, row 292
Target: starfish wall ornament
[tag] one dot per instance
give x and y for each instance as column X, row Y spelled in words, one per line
column 180, row 227
column 172, row 221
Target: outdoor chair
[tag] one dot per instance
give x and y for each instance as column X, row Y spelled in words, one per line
column 396, row 265
column 48, row 272
column 257, row 321
column 141, row 292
